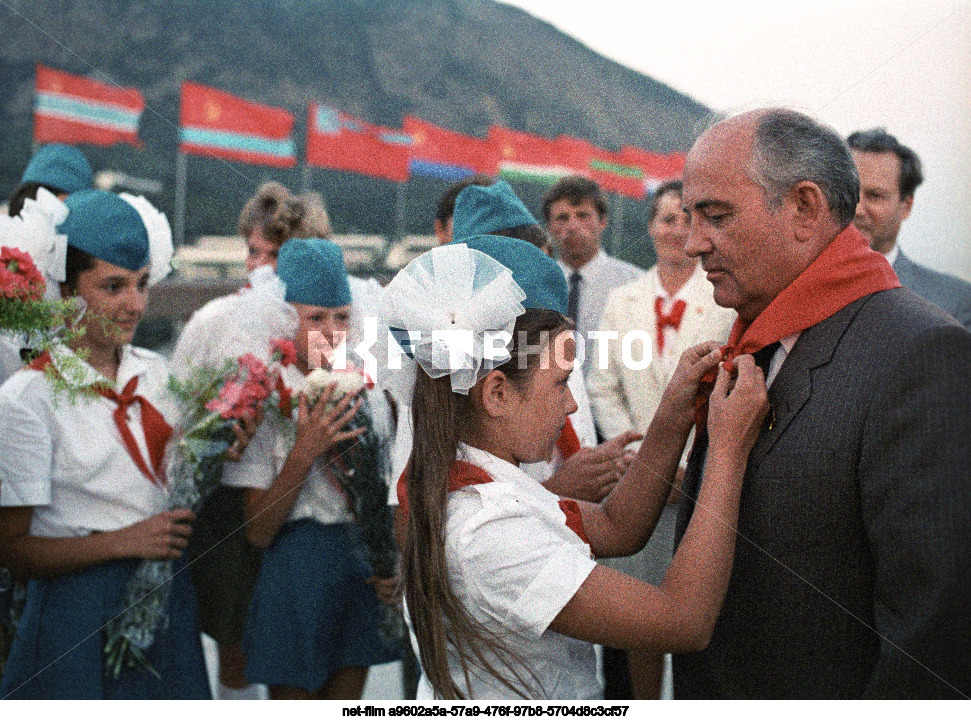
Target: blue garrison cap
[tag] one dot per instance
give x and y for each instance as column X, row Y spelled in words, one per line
column 59, row 166
column 107, row 227
column 533, row 270
column 480, row 210
column 314, row 273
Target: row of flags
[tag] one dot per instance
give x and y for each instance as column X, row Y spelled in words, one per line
column 74, row 109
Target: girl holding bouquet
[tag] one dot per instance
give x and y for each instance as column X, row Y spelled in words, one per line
column 501, row 584
column 314, row 623
column 82, row 488
column 223, row 564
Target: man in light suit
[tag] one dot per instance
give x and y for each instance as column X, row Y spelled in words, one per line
column 851, row 570
column 889, row 175
column 673, row 304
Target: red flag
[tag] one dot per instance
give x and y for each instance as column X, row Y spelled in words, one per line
column 75, row 109
column 656, row 167
column 609, row 169
column 341, row 142
column 222, row 125
column 443, row 153
column 528, row 157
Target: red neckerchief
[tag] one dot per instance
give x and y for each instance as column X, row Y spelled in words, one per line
column 568, row 443
column 662, row 319
column 844, row 272
column 157, row 430
column 464, row 474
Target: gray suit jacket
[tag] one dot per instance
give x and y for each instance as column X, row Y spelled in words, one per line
column 852, row 574
column 947, row 291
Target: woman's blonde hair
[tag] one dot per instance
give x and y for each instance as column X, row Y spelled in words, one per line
column 280, row 215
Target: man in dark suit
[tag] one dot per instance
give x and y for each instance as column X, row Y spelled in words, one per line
column 853, row 562
column 889, row 175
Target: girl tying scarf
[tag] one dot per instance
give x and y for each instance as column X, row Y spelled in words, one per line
column 501, row 583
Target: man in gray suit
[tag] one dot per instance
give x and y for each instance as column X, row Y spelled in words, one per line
column 853, row 562
column 889, row 176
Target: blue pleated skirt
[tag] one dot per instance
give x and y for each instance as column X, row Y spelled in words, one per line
column 58, row 650
column 312, row 611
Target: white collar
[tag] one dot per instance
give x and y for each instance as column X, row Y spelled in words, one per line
column 591, row 266
column 892, row 255
column 497, row 468
column 685, row 291
column 82, row 374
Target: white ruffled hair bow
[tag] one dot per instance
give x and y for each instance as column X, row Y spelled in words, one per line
column 459, row 307
column 159, row 231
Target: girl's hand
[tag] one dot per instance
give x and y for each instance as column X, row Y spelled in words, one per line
column 679, row 396
column 245, row 429
column 161, row 537
column 320, row 429
column 737, row 409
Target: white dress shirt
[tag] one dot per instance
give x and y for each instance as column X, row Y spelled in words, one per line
column 598, row 278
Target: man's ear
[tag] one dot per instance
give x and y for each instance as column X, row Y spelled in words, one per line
column 809, row 209
column 908, row 205
column 495, row 390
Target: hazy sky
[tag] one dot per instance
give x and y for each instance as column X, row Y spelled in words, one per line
column 854, row 64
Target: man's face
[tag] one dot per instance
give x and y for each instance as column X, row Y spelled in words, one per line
column 577, row 230
column 744, row 245
column 881, row 209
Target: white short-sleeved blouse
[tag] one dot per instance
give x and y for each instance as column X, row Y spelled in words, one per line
column 67, row 458
column 515, row 564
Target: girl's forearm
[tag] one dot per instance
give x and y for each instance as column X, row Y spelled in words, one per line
column 623, row 522
column 698, row 576
column 37, row 557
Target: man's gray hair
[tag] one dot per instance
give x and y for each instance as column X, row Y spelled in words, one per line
column 790, row 147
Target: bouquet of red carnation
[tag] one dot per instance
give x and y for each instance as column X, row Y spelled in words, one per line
column 19, row 277
column 22, row 308
column 212, row 403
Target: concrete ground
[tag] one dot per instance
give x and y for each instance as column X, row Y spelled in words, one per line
column 383, row 684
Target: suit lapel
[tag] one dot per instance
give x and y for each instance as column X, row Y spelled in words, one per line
column 792, row 387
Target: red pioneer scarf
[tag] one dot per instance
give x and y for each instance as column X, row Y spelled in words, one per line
column 154, row 425
column 568, row 443
column 845, row 271
column 663, row 320
column 464, row 474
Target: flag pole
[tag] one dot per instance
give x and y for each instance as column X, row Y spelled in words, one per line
column 305, row 179
column 180, row 190
column 617, row 236
column 399, row 215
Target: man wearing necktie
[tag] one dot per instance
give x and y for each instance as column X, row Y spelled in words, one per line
column 577, row 216
column 851, row 570
column 673, row 305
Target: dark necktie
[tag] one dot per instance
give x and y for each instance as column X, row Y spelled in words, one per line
column 573, row 302
column 763, row 357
